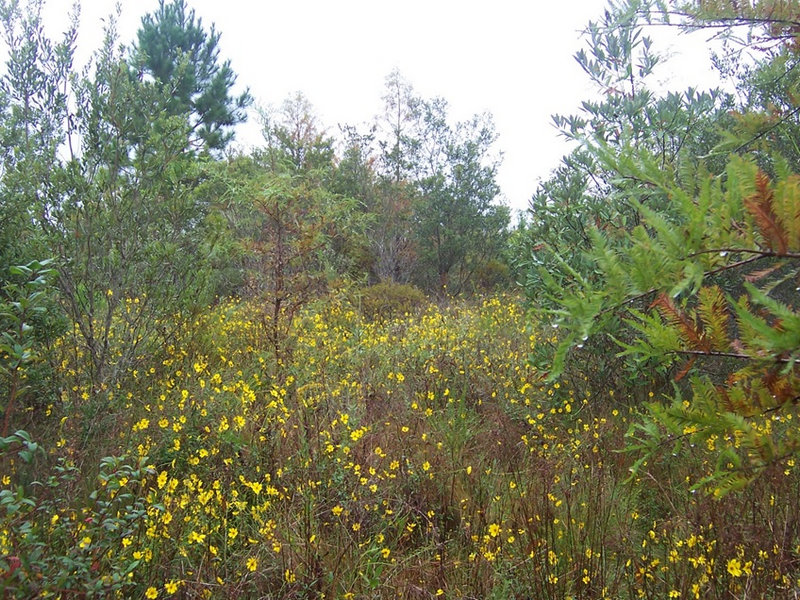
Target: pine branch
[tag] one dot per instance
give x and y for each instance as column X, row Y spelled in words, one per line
column 758, row 253
column 679, row 319
column 760, row 135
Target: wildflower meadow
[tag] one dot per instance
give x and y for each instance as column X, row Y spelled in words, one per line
column 412, row 457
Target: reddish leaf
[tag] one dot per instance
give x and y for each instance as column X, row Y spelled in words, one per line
column 690, row 331
column 759, row 205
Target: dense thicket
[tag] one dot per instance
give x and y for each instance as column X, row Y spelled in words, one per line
column 680, row 253
column 301, row 371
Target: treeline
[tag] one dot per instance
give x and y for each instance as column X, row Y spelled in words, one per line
column 121, row 174
column 662, row 250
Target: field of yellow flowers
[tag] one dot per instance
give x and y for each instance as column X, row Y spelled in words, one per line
column 414, row 457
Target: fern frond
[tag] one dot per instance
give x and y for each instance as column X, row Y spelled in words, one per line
column 755, row 276
column 692, row 334
column 715, row 317
column 787, row 210
column 780, row 336
column 759, row 205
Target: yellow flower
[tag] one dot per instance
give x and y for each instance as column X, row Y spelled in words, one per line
column 337, row 510
column 232, row 533
column 171, row 587
column 196, row 537
column 151, row 593
column 735, row 567
column 494, row 530
column 386, row 552
column 252, row 564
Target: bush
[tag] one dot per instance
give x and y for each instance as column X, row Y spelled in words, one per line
column 385, row 300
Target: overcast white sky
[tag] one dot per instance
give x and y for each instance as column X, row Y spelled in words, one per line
column 511, row 58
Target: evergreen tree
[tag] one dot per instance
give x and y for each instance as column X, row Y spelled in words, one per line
column 174, row 48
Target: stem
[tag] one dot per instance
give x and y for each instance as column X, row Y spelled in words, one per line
column 11, row 400
column 734, row 355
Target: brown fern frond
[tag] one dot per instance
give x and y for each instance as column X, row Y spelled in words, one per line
column 690, row 332
column 723, row 401
column 755, row 276
column 780, row 387
column 685, row 369
column 759, row 205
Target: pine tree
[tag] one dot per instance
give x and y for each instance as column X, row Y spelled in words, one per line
column 175, row 49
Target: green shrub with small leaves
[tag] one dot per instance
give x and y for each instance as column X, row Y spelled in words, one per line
column 386, row 301
column 56, row 540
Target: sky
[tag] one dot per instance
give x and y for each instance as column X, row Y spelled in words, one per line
column 510, row 58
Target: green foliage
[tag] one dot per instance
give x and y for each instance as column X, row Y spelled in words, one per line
column 386, row 300
column 687, row 265
column 131, row 232
column 174, row 48
column 108, row 190
column 33, row 107
column 21, row 302
column 587, row 191
column 459, row 225
column 670, row 261
column 64, row 546
column 298, row 235
column 430, row 186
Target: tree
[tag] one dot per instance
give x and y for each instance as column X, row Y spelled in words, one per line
column 583, row 193
column 702, row 287
column 174, row 48
column 295, row 140
column 675, row 128
column 130, row 230
column 386, row 204
column 459, row 225
column 298, row 232
column 437, row 219
column 33, row 109
column 105, row 186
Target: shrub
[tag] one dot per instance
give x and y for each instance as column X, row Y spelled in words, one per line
column 386, row 300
